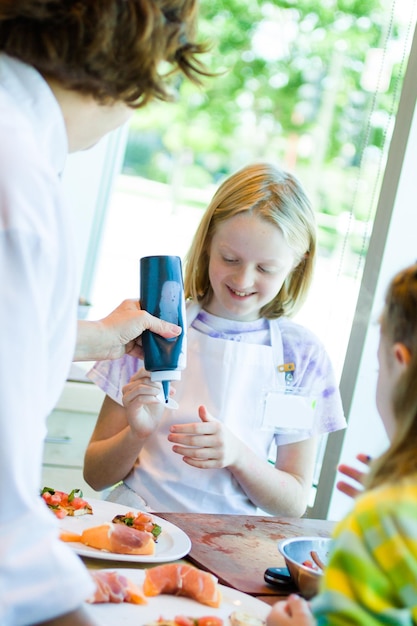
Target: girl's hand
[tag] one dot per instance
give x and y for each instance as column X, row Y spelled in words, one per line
column 357, row 475
column 291, row 612
column 143, row 408
column 207, row 444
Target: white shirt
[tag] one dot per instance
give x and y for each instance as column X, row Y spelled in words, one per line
column 40, row 577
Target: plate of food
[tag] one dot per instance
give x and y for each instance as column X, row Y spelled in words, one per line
column 217, row 606
column 105, row 530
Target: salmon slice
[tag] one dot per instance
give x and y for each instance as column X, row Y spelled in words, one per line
column 181, row 579
column 112, row 586
column 116, row 538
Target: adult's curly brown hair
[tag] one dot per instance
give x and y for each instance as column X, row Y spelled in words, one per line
column 113, row 50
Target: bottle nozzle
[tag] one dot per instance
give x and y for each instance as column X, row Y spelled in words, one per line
column 165, row 387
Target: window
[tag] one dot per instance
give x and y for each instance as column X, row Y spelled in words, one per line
column 314, row 87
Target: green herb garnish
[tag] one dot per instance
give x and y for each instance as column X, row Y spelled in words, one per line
column 73, row 493
column 156, row 530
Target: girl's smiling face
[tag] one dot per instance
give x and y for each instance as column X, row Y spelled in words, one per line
column 249, row 261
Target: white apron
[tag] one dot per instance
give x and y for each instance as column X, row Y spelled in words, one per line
column 229, row 378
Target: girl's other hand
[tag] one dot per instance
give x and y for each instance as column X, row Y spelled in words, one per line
column 207, row 444
column 294, row 611
column 356, row 475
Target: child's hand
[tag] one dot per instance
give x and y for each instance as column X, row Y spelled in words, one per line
column 207, row 444
column 351, row 472
column 143, row 407
column 291, row 612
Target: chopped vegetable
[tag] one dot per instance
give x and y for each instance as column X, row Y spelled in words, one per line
column 63, row 504
column 140, row 521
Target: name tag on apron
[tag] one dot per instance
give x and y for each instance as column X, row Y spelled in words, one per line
column 288, row 409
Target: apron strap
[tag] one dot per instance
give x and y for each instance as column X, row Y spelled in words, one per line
column 281, row 368
column 192, row 310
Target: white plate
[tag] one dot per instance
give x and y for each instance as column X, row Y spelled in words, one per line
column 169, row 607
column 173, row 543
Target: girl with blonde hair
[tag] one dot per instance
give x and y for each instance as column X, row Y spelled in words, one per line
column 234, row 445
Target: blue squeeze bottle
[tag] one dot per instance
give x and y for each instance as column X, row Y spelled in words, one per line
column 162, row 295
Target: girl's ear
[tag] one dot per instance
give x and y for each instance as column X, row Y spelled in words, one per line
column 402, row 354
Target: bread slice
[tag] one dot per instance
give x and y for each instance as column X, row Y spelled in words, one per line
column 241, row 618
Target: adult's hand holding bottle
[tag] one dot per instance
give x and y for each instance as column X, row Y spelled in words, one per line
column 119, row 333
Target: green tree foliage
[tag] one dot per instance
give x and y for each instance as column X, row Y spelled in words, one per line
column 292, row 86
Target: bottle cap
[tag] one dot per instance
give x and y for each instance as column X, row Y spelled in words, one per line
column 160, row 375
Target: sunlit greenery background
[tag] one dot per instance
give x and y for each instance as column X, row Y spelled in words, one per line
column 302, row 83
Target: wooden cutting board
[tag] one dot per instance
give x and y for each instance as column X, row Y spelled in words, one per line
column 238, row 548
